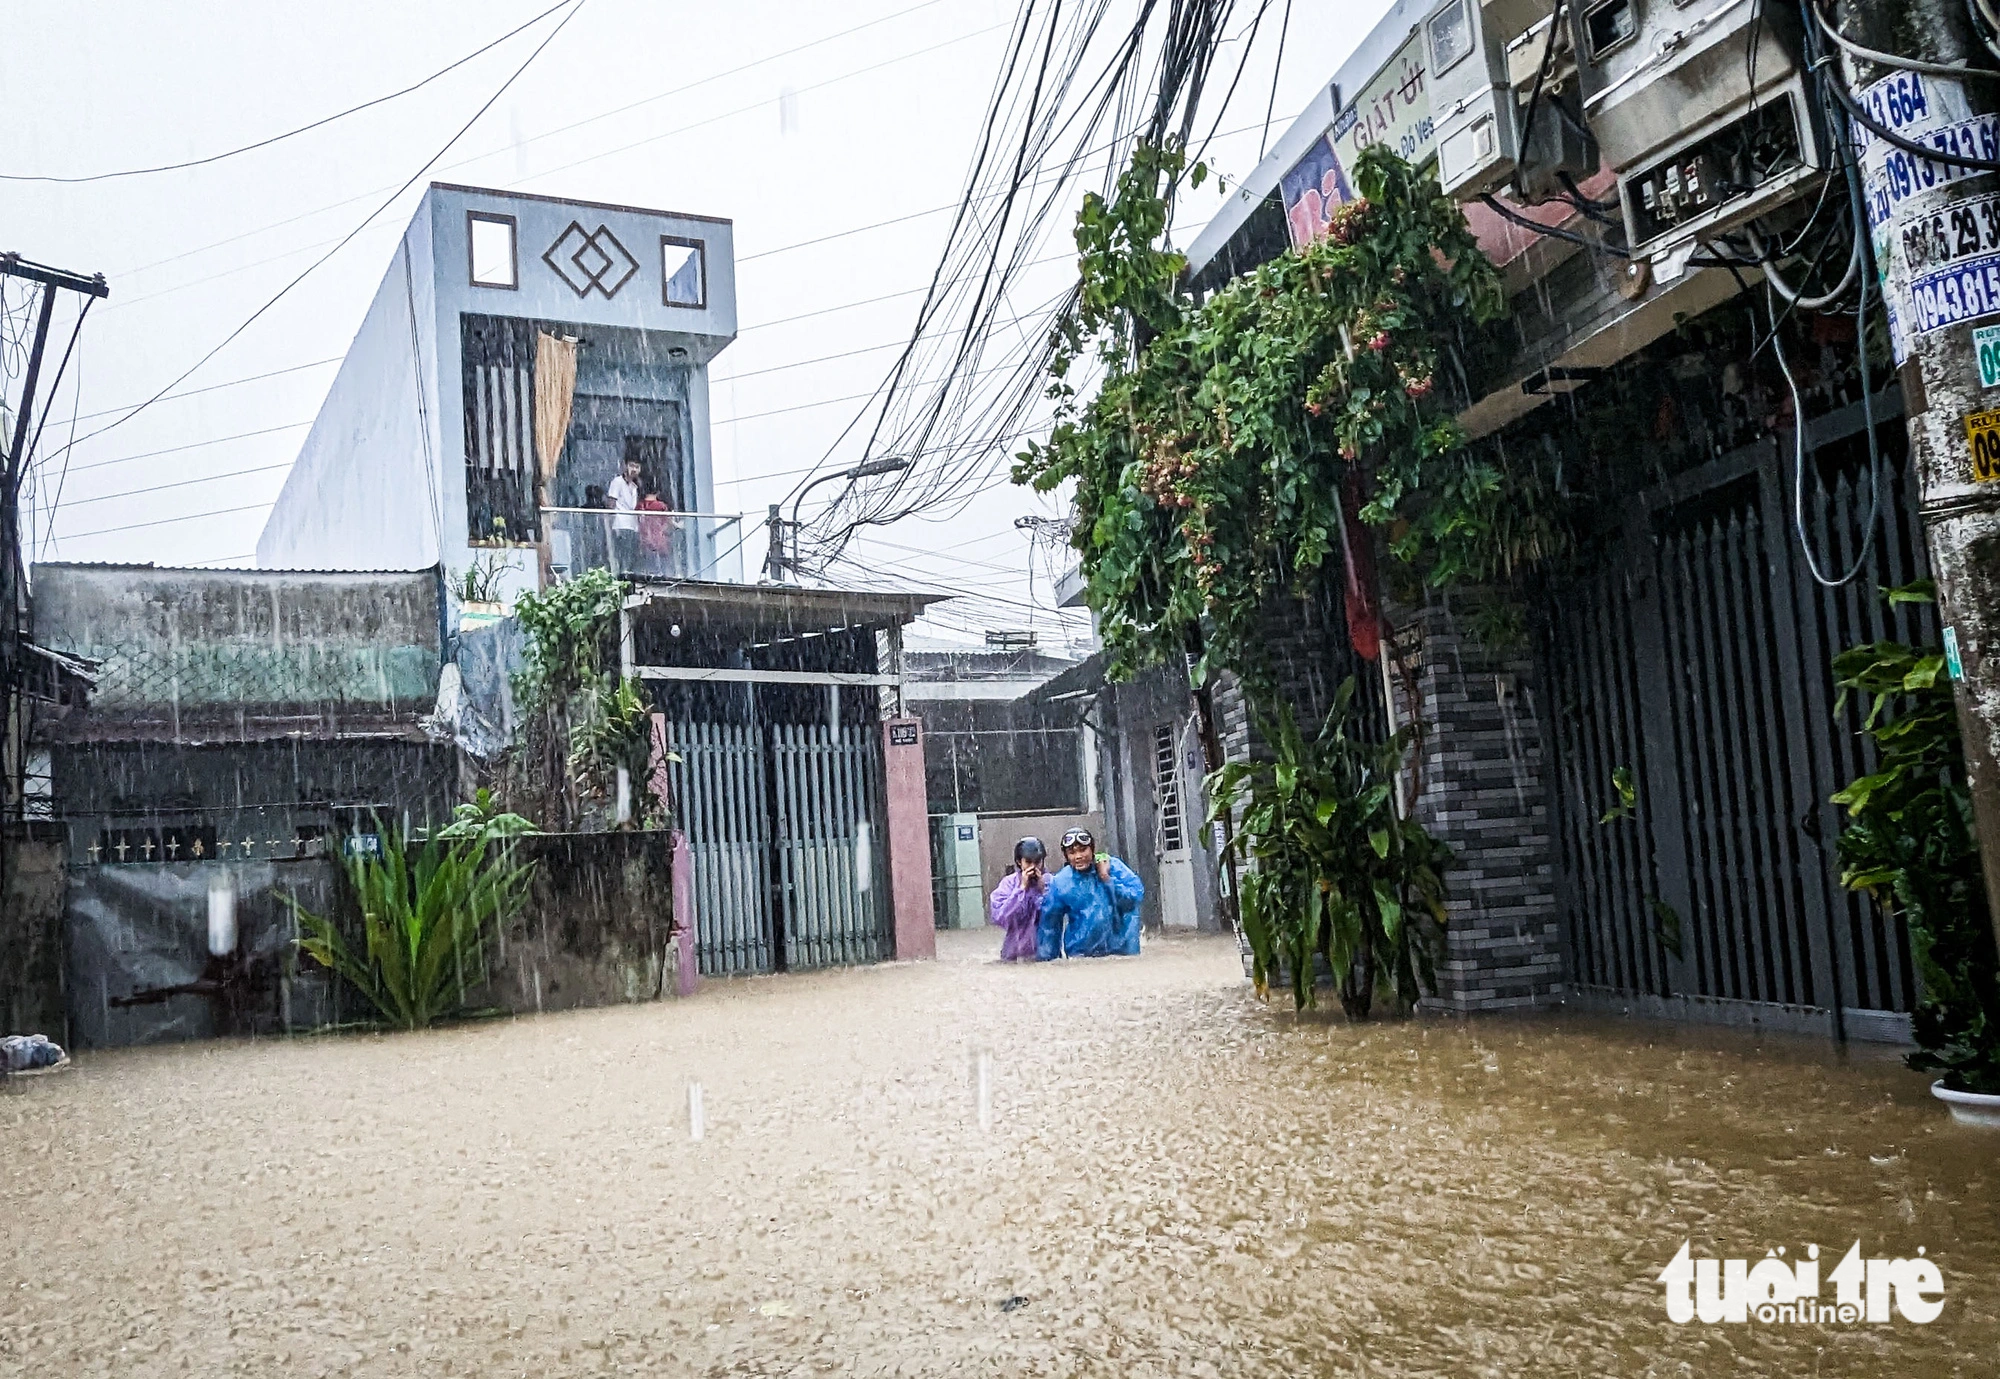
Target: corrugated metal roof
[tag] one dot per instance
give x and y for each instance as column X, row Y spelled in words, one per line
column 214, row 569
column 187, row 647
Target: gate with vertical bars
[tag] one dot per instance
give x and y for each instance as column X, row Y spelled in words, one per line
column 1698, row 658
column 783, row 822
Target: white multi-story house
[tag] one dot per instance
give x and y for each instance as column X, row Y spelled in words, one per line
column 427, row 449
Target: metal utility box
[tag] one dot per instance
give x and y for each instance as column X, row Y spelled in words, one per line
column 1484, row 62
column 961, row 890
column 1730, row 170
column 1478, row 142
column 1654, row 73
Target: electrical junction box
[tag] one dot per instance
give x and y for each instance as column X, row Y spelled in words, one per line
column 961, row 891
column 1655, row 73
column 1736, row 168
column 1471, row 101
column 1702, row 109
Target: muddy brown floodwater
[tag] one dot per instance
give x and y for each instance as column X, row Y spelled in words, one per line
column 1177, row 1181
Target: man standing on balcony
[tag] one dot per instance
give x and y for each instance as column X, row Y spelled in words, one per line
column 623, row 496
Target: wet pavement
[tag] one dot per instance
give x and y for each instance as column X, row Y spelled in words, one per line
column 1177, row 1181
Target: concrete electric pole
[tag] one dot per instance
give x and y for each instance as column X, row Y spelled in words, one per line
column 1935, row 223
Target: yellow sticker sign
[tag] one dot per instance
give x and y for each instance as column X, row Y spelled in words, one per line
column 1982, row 434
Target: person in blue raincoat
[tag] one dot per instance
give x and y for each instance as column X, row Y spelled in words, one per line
column 1092, row 905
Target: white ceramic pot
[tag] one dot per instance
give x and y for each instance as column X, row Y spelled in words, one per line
column 1969, row 1108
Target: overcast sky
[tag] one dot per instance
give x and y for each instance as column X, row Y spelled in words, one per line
column 784, row 117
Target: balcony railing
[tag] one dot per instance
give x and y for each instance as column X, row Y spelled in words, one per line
column 646, row 545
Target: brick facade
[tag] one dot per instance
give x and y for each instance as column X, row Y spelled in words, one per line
column 1483, row 793
column 1482, row 787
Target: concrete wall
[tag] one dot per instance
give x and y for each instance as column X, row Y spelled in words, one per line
column 360, row 495
column 265, row 792
column 31, row 939
column 598, row 928
column 987, row 757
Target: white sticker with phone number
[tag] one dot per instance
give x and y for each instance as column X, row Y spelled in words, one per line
column 1951, row 262
column 1944, row 269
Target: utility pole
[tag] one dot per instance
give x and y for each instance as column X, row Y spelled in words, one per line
column 13, row 469
column 1936, row 233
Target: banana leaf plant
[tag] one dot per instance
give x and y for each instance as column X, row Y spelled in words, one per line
column 426, row 910
column 1334, row 871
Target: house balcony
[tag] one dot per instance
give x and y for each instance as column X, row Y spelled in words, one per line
column 700, row 546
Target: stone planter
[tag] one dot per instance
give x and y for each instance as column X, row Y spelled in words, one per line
column 1969, row 1108
column 472, row 615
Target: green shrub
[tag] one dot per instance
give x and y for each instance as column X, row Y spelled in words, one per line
column 1336, row 872
column 1910, row 845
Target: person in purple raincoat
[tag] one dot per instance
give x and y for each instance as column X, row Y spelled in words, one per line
column 1016, row 904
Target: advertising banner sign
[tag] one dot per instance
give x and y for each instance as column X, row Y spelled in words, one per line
column 1393, row 108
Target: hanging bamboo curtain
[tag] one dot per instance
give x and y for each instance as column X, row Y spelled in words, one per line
column 555, row 391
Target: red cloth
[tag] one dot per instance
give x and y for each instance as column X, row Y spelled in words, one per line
column 653, row 530
column 1364, row 619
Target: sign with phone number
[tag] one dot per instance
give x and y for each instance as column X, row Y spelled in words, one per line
column 1943, row 269
column 1982, row 434
column 1897, row 174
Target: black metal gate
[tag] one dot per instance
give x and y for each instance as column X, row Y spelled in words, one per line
column 1698, row 660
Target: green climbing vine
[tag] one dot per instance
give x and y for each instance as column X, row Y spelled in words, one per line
column 1229, row 450
column 1212, row 461
column 580, row 720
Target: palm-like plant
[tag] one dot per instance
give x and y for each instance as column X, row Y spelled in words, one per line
column 425, row 912
column 1335, row 872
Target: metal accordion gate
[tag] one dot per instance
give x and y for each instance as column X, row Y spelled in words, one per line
column 1698, row 659
column 784, row 822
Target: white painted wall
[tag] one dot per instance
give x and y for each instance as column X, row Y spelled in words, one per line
column 356, row 498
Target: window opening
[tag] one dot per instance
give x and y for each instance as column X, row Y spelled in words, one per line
column 684, row 269
column 494, row 262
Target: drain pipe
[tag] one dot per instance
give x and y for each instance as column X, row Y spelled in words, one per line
column 626, row 661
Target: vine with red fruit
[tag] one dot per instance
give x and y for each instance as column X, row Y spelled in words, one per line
column 1210, row 461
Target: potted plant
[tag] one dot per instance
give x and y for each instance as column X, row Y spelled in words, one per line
column 1910, row 845
column 478, row 587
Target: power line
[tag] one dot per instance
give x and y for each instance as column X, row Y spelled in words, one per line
column 169, row 521
column 1036, row 107
column 289, row 134
column 576, row 7
column 537, row 138
column 295, row 425
column 181, row 483
column 191, row 445
column 565, row 167
column 217, row 387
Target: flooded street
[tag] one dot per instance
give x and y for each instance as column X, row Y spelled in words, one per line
column 1177, row 1180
